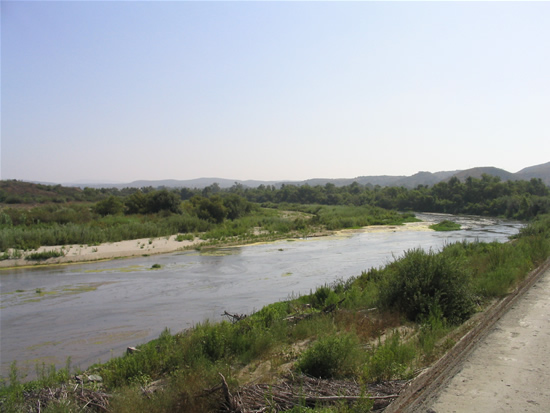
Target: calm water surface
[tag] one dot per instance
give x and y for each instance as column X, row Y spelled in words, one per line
column 93, row 311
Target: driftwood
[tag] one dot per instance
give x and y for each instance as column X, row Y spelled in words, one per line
column 306, row 391
column 232, row 404
column 234, row 317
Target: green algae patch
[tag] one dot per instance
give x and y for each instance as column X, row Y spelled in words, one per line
column 81, row 289
column 41, row 345
column 38, row 294
column 219, row 252
column 111, row 337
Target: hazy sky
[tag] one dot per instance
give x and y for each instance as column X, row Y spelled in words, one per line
column 120, row 91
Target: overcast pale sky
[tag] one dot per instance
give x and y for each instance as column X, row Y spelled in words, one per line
column 120, row 91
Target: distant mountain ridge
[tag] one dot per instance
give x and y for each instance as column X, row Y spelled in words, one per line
column 420, row 178
column 487, row 170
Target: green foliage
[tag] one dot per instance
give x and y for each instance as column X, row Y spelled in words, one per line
column 136, row 203
column 163, row 200
column 389, row 360
column 44, row 255
column 189, row 362
column 485, row 196
column 331, row 356
column 338, row 217
column 13, row 395
column 109, row 206
column 270, row 314
column 209, row 209
column 435, row 290
column 538, row 227
column 432, row 329
column 230, row 213
column 185, row 237
column 236, row 206
column 422, row 281
column 446, row 225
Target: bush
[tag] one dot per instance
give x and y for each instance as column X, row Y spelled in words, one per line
column 389, row 360
column 331, row 356
column 109, row 206
column 421, row 282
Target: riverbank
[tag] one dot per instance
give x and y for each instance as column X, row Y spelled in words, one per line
column 168, row 244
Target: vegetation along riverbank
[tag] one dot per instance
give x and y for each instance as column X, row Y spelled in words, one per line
column 361, row 339
column 74, row 222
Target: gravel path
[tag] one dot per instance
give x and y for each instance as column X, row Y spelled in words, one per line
column 509, row 370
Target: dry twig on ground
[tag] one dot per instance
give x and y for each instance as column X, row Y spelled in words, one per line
column 308, row 391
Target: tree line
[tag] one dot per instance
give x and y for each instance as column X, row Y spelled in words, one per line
column 487, row 195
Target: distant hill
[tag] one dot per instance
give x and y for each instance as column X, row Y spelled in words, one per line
column 16, row 192
column 489, row 170
column 537, row 171
column 188, row 183
column 420, row 178
column 425, row 178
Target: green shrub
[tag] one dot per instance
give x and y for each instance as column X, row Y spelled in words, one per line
column 389, row 360
column 422, row 281
column 331, row 356
column 109, row 206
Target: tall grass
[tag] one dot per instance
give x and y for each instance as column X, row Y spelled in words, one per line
column 114, row 228
column 390, row 359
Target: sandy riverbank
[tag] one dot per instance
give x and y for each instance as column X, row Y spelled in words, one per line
column 106, row 251
column 162, row 245
column 410, row 226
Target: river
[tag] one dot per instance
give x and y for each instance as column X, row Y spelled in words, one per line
column 93, row 311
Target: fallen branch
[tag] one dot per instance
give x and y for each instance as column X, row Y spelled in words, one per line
column 234, row 317
column 348, row 398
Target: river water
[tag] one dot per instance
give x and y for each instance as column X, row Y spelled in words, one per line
column 91, row 312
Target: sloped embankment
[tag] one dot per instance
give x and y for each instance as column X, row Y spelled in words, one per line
column 418, row 396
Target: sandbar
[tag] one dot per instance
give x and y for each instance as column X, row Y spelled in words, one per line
column 161, row 245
